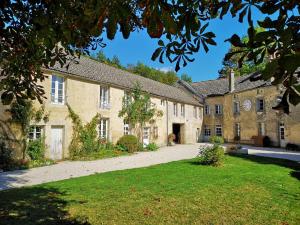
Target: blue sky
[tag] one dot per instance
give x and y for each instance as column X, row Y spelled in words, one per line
column 139, row 47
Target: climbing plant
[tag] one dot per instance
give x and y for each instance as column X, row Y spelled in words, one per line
column 24, row 113
column 137, row 110
column 85, row 137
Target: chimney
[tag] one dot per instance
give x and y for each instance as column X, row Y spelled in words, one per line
column 231, row 81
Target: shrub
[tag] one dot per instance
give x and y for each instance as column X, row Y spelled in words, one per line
column 36, row 149
column 129, row 142
column 171, row 138
column 211, row 155
column 216, row 140
column 151, row 147
column 6, row 158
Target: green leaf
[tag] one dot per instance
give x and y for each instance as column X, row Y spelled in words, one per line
column 270, row 69
column 156, row 54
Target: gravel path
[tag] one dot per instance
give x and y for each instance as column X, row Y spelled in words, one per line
column 69, row 169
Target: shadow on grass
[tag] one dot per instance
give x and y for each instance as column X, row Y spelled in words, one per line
column 36, row 205
column 295, row 166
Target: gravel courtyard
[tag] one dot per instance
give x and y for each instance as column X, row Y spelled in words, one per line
column 70, row 169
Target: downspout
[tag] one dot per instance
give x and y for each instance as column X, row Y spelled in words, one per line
column 167, row 105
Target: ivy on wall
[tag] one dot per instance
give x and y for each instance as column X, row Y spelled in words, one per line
column 85, row 136
column 23, row 113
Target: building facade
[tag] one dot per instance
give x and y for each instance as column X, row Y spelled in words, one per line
column 240, row 110
column 91, row 87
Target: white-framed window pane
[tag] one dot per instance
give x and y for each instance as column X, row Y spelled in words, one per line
column 236, row 107
column 207, row 131
column 218, row 130
column 182, row 110
column 126, row 128
column 218, row 109
column 35, row 132
column 237, row 129
column 175, row 109
column 281, row 131
column 207, row 110
column 57, row 89
column 103, row 129
column 261, row 129
column 260, row 105
column 104, row 97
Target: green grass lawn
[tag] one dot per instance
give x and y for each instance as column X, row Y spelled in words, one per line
column 246, row 190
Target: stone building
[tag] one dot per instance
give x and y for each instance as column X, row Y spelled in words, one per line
column 239, row 109
column 91, row 87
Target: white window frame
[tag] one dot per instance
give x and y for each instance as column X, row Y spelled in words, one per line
column 195, row 112
column 207, row 131
column 104, row 97
column 182, row 110
column 237, row 127
column 281, row 131
column 258, row 105
column 218, row 109
column 219, row 127
column 127, row 98
column 236, row 107
column 104, row 128
column 55, row 98
column 207, row 109
column 175, row 109
column 126, row 128
column 162, row 102
column 34, row 131
column 261, row 129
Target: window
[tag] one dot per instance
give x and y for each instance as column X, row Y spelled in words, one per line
column 238, row 130
column 260, row 105
column 195, row 112
column 103, row 129
column 127, row 98
column 57, row 89
column 218, row 109
column 281, row 131
column 261, row 129
column 35, row 132
column 218, row 130
column 182, row 110
column 155, row 132
column 104, row 97
column 126, row 128
column 207, row 131
column 236, row 107
column 207, row 109
column 175, row 109
column 162, row 102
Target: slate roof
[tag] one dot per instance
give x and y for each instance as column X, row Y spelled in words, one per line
column 221, row 86
column 95, row 71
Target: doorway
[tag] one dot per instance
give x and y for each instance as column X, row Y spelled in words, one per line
column 282, row 135
column 177, row 132
column 56, row 148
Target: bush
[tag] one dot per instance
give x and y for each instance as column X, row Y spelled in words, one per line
column 212, row 155
column 171, row 138
column 36, row 149
column 6, row 158
column 151, row 147
column 129, row 142
column 216, row 140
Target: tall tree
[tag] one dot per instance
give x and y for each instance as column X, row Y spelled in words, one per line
column 186, row 78
column 141, row 69
column 40, row 33
column 239, row 67
column 137, row 110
